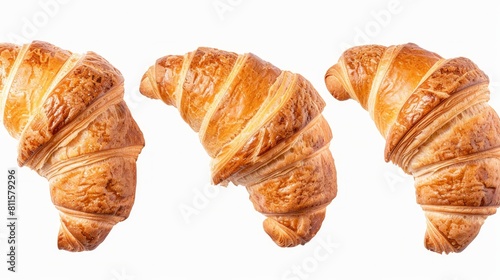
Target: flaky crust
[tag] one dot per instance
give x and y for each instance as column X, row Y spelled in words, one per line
column 263, row 129
column 74, row 128
column 434, row 115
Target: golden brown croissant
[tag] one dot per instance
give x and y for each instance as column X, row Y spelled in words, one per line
column 263, row 129
column 438, row 127
column 74, row 128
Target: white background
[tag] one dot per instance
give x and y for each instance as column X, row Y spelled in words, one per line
column 374, row 228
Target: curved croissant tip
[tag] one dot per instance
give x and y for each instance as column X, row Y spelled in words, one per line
column 147, row 87
column 333, row 85
column 281, row 235
column 436, row 244
column 451, row 233
column 78, row 234
column 66, row 241
column 293, row 230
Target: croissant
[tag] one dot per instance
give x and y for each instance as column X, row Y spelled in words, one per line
column 263, row 129
column 438, row 127
column 74, row 129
